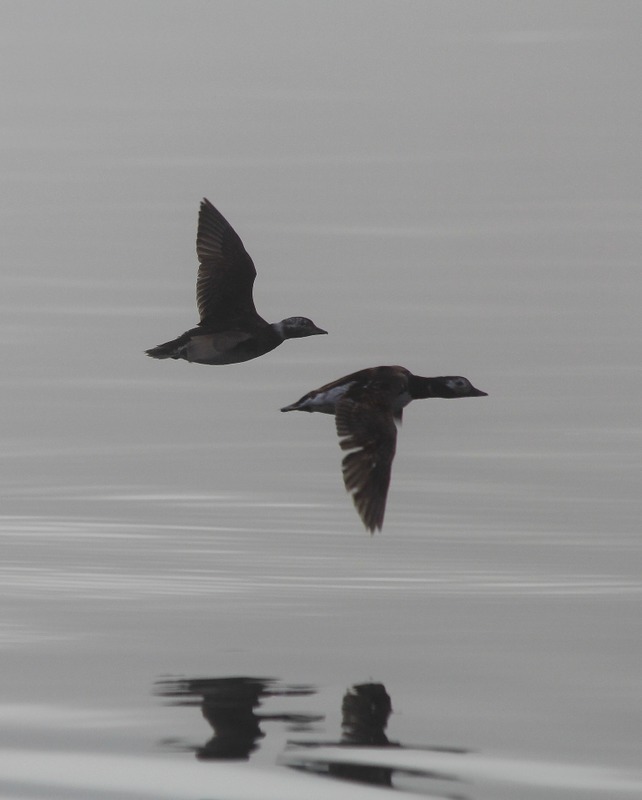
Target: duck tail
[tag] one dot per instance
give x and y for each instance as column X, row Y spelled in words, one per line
column 166, row 350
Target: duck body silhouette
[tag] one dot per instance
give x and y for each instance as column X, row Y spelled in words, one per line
column 230, row 329
column 366, row 405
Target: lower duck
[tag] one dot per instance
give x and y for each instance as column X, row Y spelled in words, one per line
column 366, row 405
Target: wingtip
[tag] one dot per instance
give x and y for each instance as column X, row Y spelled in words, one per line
column 372, row 526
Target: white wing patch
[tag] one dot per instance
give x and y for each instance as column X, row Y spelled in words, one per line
column 326, row 402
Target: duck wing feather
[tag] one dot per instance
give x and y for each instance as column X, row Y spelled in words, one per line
column 366, row 428
column 226, row 273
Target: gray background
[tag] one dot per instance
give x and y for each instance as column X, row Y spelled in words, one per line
column 454, row 187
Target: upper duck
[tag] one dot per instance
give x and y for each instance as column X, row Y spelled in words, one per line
column 366, row 405
column 230, row 329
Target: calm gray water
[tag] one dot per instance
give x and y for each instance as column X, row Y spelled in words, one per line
column 451, row 187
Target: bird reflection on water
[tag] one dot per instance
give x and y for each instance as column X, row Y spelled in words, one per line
column 230, row 705
column 365, row 710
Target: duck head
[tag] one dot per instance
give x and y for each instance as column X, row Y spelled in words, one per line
column 296, row 327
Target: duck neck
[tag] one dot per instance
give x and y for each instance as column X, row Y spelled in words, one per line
column 419, row 387
column 279, row 330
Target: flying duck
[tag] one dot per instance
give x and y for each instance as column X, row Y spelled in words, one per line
column 366, row 405
column 230, row 330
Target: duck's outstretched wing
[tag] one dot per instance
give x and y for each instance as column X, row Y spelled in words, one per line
column 366, row 427
column 226, row 273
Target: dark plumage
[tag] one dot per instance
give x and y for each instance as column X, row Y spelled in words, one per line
column 366, row 405
column 230, row 329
